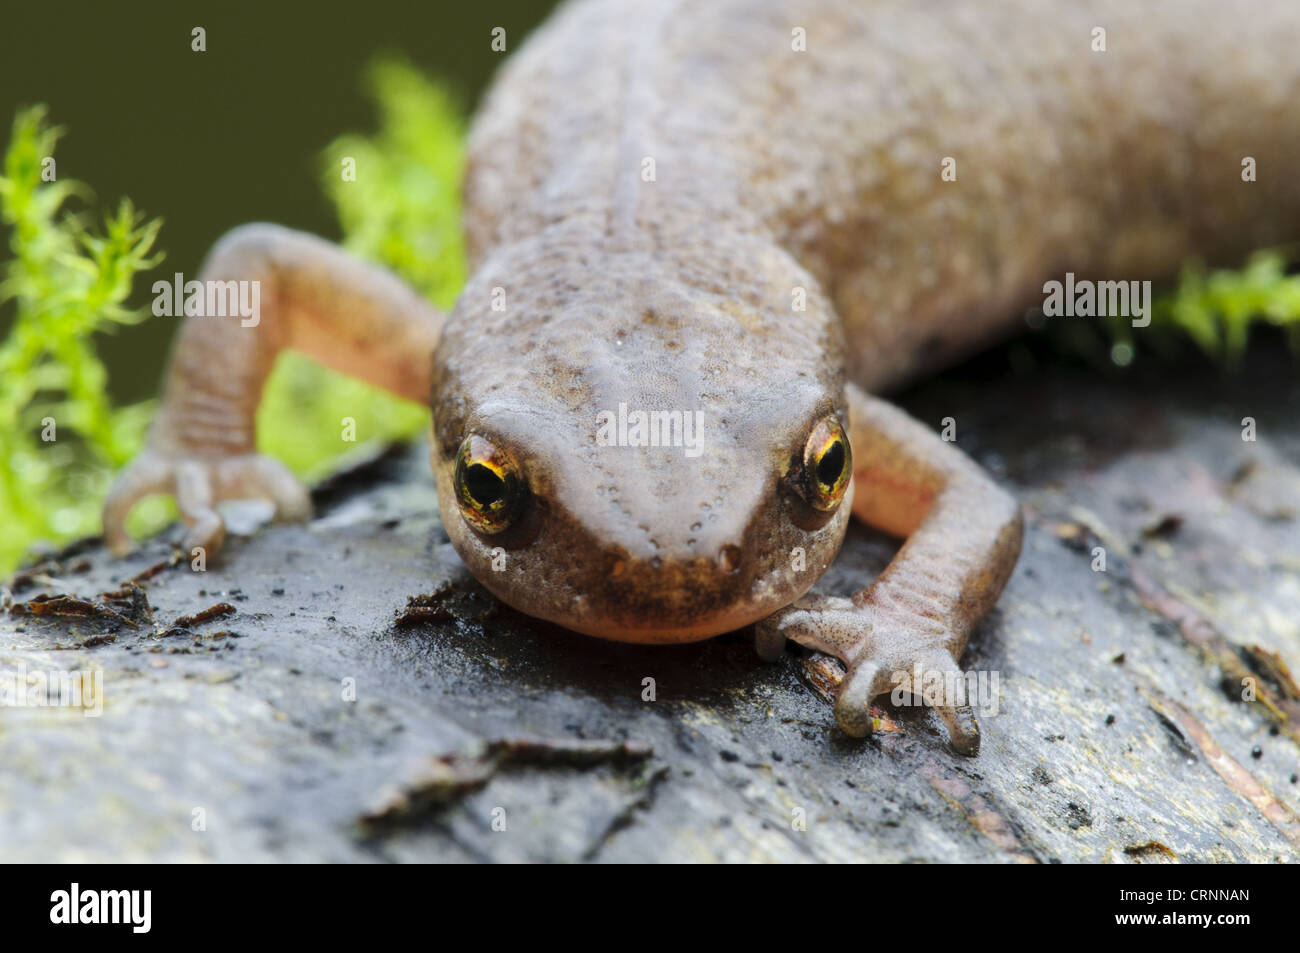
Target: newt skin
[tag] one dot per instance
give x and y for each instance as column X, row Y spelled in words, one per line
column 776, row 172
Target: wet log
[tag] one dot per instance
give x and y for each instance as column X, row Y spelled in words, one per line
column 343, row 690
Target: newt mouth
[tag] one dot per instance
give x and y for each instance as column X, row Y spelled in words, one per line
column 668, row 614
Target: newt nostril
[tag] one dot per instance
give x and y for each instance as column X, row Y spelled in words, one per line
column 729, row 558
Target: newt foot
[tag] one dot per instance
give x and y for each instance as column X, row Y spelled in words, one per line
column 884, row 652
column 198, row 484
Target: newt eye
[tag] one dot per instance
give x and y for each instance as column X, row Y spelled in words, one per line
column 489, row 488
column 827, row 465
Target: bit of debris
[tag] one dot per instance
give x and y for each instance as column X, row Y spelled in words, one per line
column 1074, row 535
column 53, row 565
column 183, row 624
column 1270, row 666
column 146, row 574
column 132, row 601
column 445, row 604
column 824, row 674
column 416, row 615
column 1078, row 816
column 440, row 780
column 1275, row 690
column 217, row 611
column 1151, row 852
column 47, row 605
column 1162, row 528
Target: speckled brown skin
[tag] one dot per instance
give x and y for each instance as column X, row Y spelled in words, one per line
column 1119, row 164
column 777, row 174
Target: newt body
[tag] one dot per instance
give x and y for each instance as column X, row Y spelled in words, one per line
column 675, row 209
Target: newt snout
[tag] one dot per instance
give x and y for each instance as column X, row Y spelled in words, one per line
column 640, row 544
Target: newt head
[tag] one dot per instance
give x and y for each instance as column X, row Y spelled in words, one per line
column 631, row 458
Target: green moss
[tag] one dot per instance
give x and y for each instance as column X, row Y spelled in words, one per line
column 402, row 210
column 1217, row 309
column 60, row 435
column 67, row 283
column 1211, row 310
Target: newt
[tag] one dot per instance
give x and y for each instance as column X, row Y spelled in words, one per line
column 743, row 219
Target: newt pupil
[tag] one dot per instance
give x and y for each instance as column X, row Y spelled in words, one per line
column 484, row 485
column 831, row 464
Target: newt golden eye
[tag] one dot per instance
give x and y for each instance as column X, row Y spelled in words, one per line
column 827, row 465
column 489, row 488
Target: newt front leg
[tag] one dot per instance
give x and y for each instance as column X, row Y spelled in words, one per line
column 314, row 297
column 963, row 536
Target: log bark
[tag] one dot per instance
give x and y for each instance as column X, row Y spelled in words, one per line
column 292, row 702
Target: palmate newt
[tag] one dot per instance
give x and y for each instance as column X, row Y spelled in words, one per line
column 717, row 226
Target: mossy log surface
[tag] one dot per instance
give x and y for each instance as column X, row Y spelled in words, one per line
column 1121, row 733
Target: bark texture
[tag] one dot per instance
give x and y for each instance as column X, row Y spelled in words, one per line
column 1121, row 733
